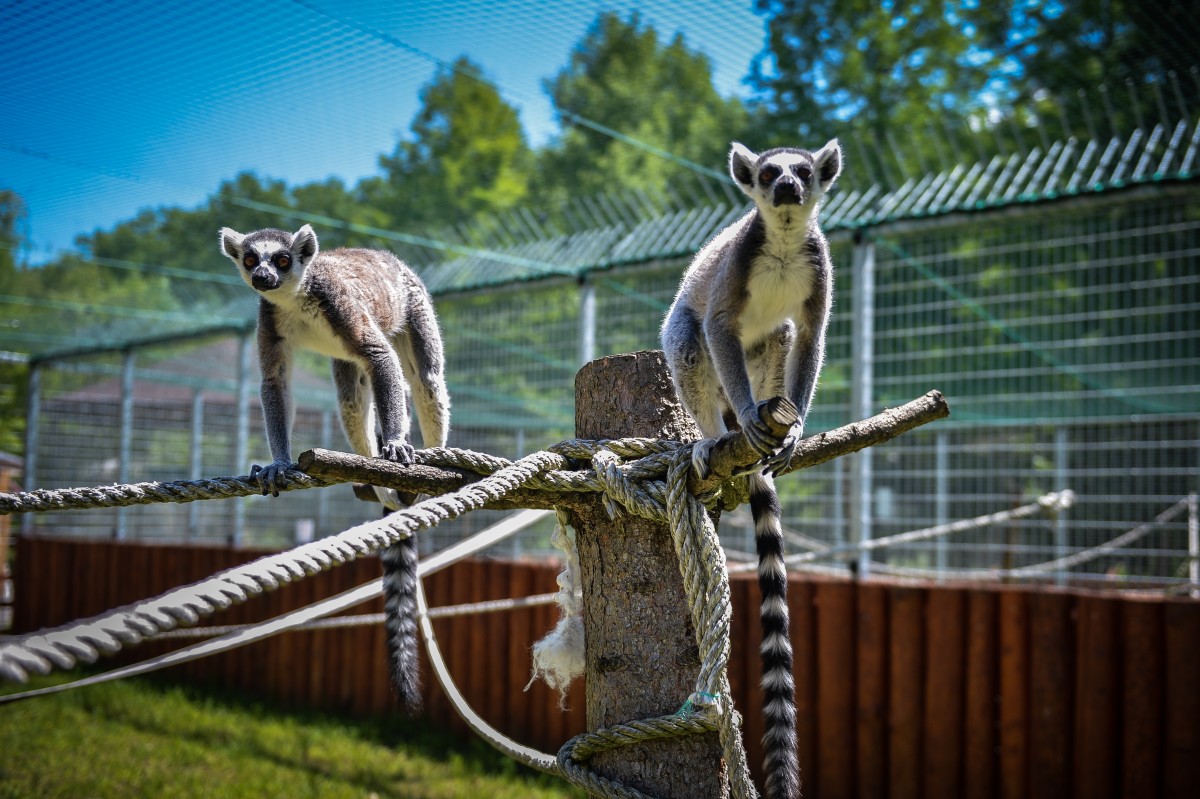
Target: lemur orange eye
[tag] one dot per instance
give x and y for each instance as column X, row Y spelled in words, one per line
column 283, row 261
column 803, row 172
column 250, row 260
column 768, row 174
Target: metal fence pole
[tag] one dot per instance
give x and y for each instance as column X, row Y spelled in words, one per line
column 33, row 413
column 587, row 320
column 195, row 471
column 1061, row 465
column 839, row 503
column 941, row 503
column 242, row 434
column 862, row 356
column 1194, row 544
column 125, row 447
column 323, row 493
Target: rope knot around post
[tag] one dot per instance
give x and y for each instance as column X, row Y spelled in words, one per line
column 706, row 586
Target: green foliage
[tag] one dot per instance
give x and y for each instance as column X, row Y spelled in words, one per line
column 12, row 212
column 467, row 156
column 661, row 94
column 910, row 78
column 1061, row 48
column 134, row 739
column 892, row 69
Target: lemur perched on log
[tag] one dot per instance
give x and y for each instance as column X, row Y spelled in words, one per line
column 374, row 318
column 749, row 323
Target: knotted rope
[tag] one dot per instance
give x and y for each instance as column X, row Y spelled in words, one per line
column 706, row 586
column 646, row 477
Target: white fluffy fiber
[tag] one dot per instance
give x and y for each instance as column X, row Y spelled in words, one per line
column 559, row 658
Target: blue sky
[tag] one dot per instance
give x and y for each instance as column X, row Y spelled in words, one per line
column 112, row 107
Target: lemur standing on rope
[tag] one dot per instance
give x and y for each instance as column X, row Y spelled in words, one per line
column 749, row 322
column 371, row 314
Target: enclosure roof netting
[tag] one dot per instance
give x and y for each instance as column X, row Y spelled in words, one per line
column 632, row 234
column 1064, row 169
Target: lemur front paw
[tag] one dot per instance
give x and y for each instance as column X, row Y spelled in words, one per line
column 401, row 452
column 270, row 477
column 779, row 460
column 756, row 431
column 701, row 452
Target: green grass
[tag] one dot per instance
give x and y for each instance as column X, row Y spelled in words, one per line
column 124, row 740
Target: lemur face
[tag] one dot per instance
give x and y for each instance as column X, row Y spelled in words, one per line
column 268, row 259
column 786, row 175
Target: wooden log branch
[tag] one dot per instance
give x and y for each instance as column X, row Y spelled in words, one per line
column 731, row 454
column 867, row 433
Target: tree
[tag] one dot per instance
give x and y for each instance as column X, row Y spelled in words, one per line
column 895, row 69
column 12, row 212
column 1059, row 49
column 904, row 74
column 621, row 77
column 467, row 156
column 12, row 375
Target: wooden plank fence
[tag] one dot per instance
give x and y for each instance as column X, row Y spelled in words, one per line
column 903, row 690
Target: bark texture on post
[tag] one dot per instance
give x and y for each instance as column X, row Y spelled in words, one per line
column 642, row 659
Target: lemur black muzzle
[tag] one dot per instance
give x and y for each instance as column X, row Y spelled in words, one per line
column 786, row 193
column 264, row 279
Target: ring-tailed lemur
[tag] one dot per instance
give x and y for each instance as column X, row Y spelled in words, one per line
column 374, row 318
column 749, row 323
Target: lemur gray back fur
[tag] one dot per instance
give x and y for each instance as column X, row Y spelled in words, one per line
column 373, row 317
column 748, row 324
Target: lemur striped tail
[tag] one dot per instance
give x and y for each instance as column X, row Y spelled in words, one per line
column 780, row 766
column 400, row 621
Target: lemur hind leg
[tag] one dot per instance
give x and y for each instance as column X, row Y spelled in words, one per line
column 421, row 359
column 696, row 383
column 357, row 410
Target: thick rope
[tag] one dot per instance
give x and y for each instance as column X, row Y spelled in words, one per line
column 653, row 486
column 560, row 477
column 152, row 493
column 83, row 641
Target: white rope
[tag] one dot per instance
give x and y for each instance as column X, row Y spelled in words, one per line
column 1050, row 566
column 519, row 752
column 1092, row 553
column 511, row 525
column 1052, row 502
column 372, row 619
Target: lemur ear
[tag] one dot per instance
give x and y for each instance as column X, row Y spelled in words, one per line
column 741, row 165
column 304, row 244
column 231, row 243
column 828, row 163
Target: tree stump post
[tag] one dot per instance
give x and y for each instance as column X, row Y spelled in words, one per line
column 641, row 653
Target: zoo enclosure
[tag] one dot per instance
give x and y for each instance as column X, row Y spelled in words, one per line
column 902, row 690
column 1052, row 295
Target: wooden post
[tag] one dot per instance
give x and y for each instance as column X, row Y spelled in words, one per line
column 642, row 658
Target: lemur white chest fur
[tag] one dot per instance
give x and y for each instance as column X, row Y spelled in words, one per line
column 301, row 323
column 782, row 278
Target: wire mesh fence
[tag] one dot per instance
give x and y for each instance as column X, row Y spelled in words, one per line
column 1065, row 335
